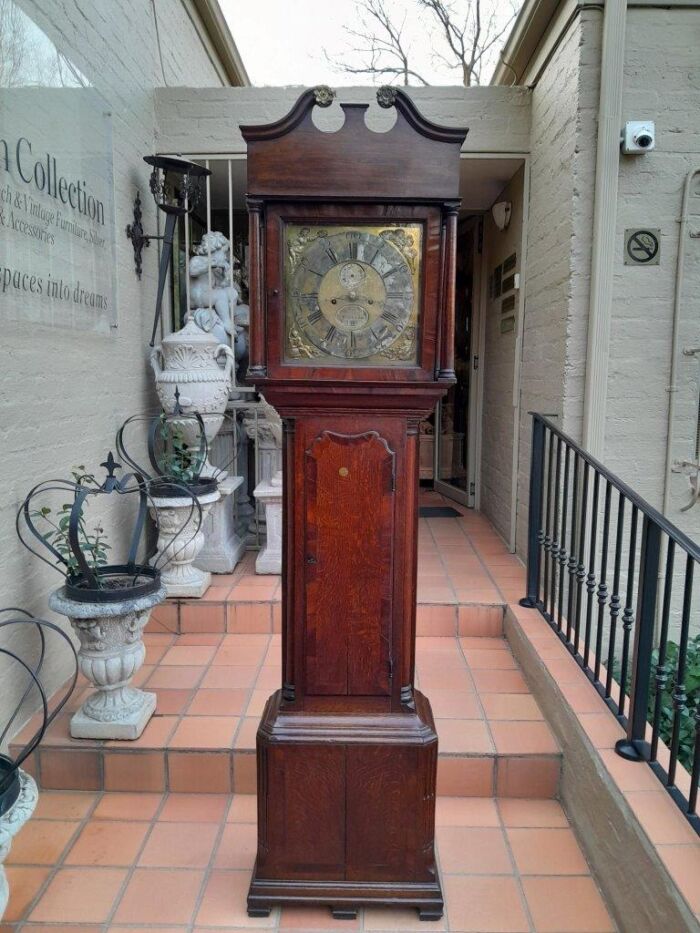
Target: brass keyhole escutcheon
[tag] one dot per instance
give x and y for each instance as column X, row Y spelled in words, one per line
column 343, row 471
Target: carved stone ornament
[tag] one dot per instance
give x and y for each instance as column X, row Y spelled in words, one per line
column 267, row 426
column 11, row 823
column 324, row 95
column 386, row 96
column 111, row 652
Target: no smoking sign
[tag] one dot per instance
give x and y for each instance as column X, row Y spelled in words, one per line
column 642, row 246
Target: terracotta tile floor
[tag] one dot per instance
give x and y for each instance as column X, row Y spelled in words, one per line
column 213, row 679
column 210, row 707
column 181, row 862
column 177, row 862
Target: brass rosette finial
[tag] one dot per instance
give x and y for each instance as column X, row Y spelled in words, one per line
column 386, row 96
column 324, row 95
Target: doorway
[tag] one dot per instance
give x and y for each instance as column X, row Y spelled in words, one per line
column 454, row 447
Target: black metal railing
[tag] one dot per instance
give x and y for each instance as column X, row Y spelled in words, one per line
column 614, row 578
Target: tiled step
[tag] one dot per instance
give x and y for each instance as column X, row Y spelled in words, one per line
column 465, row 577
column 216, row 616
column 90, row 862
column 211, row 690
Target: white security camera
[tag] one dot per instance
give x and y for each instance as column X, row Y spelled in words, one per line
column 638, row 136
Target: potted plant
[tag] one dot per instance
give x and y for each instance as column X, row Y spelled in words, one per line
column 180, row 494
column 18, row 790
column 108, row 604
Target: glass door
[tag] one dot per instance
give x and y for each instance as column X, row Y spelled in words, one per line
column 453, row 472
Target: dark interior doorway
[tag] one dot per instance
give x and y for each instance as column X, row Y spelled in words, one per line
column 452, row 448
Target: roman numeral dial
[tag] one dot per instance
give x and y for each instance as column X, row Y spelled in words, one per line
column 352, row 294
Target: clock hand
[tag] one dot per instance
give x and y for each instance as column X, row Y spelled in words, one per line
column 352, row 296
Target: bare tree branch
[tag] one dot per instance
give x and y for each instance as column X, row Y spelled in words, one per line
column 13, row 41
column 472, row 39
column 381, row 44
column 466, row 29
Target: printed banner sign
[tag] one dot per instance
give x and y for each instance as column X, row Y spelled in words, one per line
column 57, row 246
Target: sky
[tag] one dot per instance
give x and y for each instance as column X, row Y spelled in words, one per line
column 284, row 42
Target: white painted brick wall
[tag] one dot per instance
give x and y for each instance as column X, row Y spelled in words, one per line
column 558, row 247
column 660, row 83
column 63, row 393
column 207, row 122
column 499, row 368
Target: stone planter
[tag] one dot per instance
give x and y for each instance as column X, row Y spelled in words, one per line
column 111, row 652
column 180, row 539
column 269, row 492
column 188, row 361
column 10, row 824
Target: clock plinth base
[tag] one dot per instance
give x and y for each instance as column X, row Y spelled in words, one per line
column 344, row 899
column 346, row 809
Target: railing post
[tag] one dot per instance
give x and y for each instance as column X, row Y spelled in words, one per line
column 535, row 514
column 632, row 746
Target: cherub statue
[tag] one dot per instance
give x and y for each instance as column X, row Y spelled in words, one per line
column 214, row 296
column 214, row 285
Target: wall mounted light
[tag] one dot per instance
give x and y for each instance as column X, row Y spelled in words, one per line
column 176, row 188
column 501, row 212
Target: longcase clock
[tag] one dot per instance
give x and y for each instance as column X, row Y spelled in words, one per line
column 352, row 265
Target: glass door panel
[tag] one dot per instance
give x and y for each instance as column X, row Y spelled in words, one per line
column 451, row 420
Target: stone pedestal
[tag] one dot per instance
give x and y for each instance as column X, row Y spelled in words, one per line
column 111, row 652
column 180, row 542
column 245, row 510
column 263, row 427
column 269, row 493
column 11, row 823
column 223, row 547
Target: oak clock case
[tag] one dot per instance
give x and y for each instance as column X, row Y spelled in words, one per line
column 352, row 304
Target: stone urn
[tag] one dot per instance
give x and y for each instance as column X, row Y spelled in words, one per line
column 180, row 539
column 188, row 361
column 111, row 652
column 24, row 799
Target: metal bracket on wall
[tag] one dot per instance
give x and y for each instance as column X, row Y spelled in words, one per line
column 139, row 239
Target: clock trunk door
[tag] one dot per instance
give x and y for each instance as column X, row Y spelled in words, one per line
column 349, row 482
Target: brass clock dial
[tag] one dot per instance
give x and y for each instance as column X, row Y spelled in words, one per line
column 352, row 294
